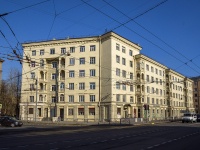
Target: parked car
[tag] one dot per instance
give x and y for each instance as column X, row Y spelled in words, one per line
column 11, row 122
column 198, row 117
column 1, row 119
column 189, row 117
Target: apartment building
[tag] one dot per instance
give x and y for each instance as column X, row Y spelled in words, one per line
column 196, row 93
column 98, row 78
column 150, row 87
column 179, row 93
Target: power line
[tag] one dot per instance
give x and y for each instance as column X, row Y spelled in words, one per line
column 124, row 24
column 4, row 14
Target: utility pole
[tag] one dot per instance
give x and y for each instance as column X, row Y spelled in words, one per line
column 56, row 100
column 36, row 82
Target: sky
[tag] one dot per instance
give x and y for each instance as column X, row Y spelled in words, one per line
column 167, row 30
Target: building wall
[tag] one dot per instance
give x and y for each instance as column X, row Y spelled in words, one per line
column 196, row 94
column 105, row 80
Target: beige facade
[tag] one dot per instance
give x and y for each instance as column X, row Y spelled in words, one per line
column 99, row 78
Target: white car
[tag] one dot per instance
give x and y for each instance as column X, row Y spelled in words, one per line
column 189, row 117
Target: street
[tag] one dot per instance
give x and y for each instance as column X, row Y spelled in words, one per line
column 173, row 135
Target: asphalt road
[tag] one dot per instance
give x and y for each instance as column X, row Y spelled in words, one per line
column 173, row 136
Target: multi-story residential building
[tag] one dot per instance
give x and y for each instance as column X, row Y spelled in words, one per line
column 150, row 87
column 98, row 78
column 196, row 93
column 179, row 93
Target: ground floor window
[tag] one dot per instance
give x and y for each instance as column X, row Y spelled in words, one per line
column 70, row 111
column 30, row 111
column 80, row 111
column 92, row 111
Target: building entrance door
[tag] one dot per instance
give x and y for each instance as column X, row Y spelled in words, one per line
column 61, row 114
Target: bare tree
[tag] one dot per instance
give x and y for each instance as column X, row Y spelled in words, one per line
column 10, row 94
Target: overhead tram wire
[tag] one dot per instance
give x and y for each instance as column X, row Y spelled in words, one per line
column 151, row 33
column 4, row 14
column 54, row 18
column 124, row 24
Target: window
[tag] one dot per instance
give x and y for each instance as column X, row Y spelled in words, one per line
column 131, row 98
column 117, row 59
column 34, row 53
column 82, row 61
column 152, row 90
column 92, row 48
column 160, row 72
column 117, row 47
column 92, row 85
column 130, row 53
column 32, row 75
column 92, row 72
column 53, row 99
column 152, row 100
column 32, row 87
column 124, row 98
column 54, row 64
column 160, row 82
column 118, row 98
column 40, row 98
column 71, row 74
column 117, row 72
column 70, row 111
column 62, row 86
column 148, row 89
column 81, row 73
column 152, row 69
column 71, row 98
column 152, row 79
column 147, row 67
column 41, row 63
column 52, row 51
column 92, row 98
column 72, row 49
column 124, row 87
column 80, row 111
column 81, row 86
column 53, row 88
column 53, row 76
column 117, row 85
column 131, row 75
column 123, row 49
column 123, row 61
column 32, row 63
column 156, row 71
column 92, row 111
column 131, row 63
column 124, row 73
column 72, row 61
column 31, row 98
column 71, row 86
column 92, row 60
column 63, row 50
column 30, row 111
column 82, row 48
column 41, row 52
column 131, row 88
column 147, row 78
column 62, row 98
column 81, row 98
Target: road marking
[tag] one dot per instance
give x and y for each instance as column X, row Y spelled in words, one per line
column 163, row 143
